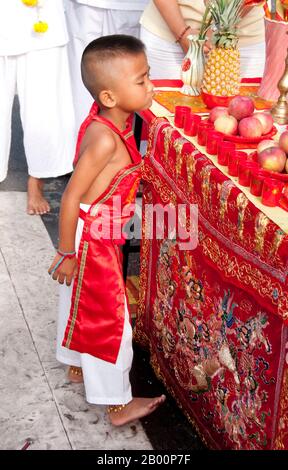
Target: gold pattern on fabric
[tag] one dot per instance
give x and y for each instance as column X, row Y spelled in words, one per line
column 78, row 292
column 166, row 194
column 161, row 376
column 261, row 223
column 224, row 193
column 245, row 274
column 205, row 184
column 277, row 240
column 190, row 168
column 95, row 208
column 178, row 145
column 281, row 440
column 130, row 134
column 167, row 131
column 139, row 331
column 242, row 203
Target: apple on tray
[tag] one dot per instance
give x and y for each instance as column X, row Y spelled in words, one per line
column 265, row 144
column 217, row 112
column 283, row 141
column 272, row 159
column 226, row 124
column 241, row 107
column 266, row 120
column 250, row 128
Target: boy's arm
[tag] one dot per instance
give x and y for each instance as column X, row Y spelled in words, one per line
column 92, row 162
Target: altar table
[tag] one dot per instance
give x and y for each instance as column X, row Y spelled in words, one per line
column 215, row 317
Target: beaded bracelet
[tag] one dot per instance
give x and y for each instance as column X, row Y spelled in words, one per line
column 68, row 255
column 182, row 34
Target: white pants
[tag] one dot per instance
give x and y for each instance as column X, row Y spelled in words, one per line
column 165, row 58
column 41, row 80
column 86, row 23
column 105, row 383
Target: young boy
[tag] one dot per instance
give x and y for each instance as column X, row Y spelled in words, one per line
column 98, row 334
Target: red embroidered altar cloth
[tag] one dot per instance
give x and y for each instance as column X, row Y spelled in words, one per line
column 215, row 317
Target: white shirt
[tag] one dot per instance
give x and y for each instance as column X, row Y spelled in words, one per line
column 136, row 5
column 16, row 26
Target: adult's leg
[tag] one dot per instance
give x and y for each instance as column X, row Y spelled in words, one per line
column 7, row 93
column 84, row 25
column 46, row 108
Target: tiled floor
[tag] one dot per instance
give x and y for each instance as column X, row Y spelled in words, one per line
column 38, row 402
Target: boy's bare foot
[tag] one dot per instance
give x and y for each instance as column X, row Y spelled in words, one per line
column 135, row 409
column 75, row 374
column 36, row 203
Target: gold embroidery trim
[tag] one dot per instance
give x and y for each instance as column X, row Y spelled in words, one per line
column 127, row 136
column 78, row 292
column 178, row 145
column 117, row 182
column 242, row 203
column 261, row 223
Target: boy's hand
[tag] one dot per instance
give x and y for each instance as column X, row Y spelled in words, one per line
column 66, row 271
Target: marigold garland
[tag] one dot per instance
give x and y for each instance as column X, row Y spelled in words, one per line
column 30, row 3
column 40, row 26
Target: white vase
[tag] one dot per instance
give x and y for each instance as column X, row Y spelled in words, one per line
column 192, row 69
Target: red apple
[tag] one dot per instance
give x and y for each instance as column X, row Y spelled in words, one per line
column 286, row 166
column 266, row 120
column 272, row 159
column 217, row 112
column 226, row 124
column 266, row 144
column 283, row 141
column 250, row 128
column 241, row 107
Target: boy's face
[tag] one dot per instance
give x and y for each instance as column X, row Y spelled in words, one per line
column 132, row 87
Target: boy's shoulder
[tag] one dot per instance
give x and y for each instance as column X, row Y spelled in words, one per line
column 100, row 138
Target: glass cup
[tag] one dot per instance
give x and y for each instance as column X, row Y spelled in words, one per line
column 225, row 148
column 203, row 128
column 233, row 161
column 244, row 171
column 256, row 182
column 214, row 139
column 271, row 192
column 191, row 124
column 180, row 113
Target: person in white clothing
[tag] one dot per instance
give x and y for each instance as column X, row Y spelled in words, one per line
column 166, row 25
column 88, row 20
column 34, row 65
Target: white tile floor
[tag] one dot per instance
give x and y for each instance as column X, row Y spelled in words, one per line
column 36, row 401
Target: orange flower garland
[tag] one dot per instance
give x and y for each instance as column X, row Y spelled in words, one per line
column 40, row 26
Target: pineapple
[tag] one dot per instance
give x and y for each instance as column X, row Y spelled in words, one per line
column 222, row 70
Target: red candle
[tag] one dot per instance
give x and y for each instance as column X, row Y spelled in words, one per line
column 233, row 161
column 214, row 139
column 203, row 128
column 271, row 192
column 256, row 183
column 244, row 171
column 191, row 124
column 180, row 113
column 225, row 148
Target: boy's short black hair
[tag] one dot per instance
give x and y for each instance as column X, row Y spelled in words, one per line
column 106, row 48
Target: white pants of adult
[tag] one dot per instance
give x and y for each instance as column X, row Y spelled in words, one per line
column 41, row 80
column 86, row 23
column 165, row 58
column 105, row 383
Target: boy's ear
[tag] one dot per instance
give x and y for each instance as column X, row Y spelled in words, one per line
column 107, row 98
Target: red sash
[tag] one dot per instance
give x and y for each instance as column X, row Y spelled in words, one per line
column 96, row 320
